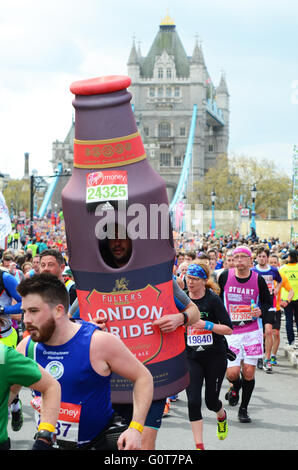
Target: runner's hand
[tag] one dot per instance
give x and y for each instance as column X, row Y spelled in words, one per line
column 100, row 322
column 199, row 324
column 256, row 312
column 169, row 323
column 130, row 439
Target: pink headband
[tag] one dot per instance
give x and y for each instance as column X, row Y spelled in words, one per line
column 242, row 249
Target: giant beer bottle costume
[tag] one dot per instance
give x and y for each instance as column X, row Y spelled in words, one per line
column 111, row 180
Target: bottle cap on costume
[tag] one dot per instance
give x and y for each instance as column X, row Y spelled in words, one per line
column 100, row 85
column 106, row 135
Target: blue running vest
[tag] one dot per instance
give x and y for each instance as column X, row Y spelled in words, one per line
column 86, row 407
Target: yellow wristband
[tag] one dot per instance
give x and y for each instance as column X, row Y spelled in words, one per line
column 137, row 426
column 46, row 427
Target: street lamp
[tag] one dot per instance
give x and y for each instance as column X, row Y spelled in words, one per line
column 213, row 199
column 253, row 213
column 37, row 182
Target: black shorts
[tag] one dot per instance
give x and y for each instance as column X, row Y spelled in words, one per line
column 276, row 324
column 154, row 416
column 269, row 317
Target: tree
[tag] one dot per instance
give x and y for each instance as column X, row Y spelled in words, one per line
column 223, row 181
column 232, row 179
column 17, row 192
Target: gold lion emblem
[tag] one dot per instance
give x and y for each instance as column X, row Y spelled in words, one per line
column 121, row 284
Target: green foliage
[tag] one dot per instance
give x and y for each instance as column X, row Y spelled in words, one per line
column 18, row 193
column 232, row 179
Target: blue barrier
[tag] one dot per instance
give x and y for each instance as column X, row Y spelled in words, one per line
column 50, row 192
column 182, row 184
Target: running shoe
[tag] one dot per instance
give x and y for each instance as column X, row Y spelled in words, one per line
column 267, row 367
column 174, row 398
column 273, row 360
column 166, row 410
column 232, row 396
column 260, row 364
column 200, row 446
column 243, row 416
column 17, row 418
column 222, row 428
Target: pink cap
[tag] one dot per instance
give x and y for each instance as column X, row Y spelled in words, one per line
column 242, row 249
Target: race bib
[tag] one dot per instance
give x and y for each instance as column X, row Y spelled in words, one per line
column 67, row 427
column 239, row 313
column 198, row 337
column 103, row 186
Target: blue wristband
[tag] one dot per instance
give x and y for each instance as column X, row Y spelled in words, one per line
column 209, row 325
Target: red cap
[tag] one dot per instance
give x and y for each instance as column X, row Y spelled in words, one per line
column 100, row 85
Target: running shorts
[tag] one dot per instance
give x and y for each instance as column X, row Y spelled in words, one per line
column 269, row 317
column 277, row 323
column 248, row 347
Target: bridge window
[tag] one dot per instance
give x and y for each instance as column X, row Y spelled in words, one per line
column 169, row 92
column 177, row 91
column 165, row 159
column 160, row 72
column 160, row 92
column 152, row 91
column 164, row 129
column 169, row 73
column 177, row 161
column 182, row 131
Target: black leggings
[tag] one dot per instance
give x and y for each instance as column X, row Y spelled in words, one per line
column 211, row 367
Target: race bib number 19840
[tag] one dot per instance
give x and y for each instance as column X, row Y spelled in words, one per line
column 198, row 337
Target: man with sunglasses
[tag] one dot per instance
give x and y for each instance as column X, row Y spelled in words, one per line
column 246, row 298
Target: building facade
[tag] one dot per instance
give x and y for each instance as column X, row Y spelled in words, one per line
column 166, row 84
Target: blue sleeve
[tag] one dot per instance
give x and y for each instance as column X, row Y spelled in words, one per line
column 10, row 284
column 181, row 307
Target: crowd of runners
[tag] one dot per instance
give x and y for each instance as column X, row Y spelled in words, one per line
column 231, row 295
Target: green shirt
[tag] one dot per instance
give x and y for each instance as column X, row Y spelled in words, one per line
column 33, row 247
column 14, row 369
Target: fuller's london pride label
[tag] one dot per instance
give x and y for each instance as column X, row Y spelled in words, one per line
column 130, row 314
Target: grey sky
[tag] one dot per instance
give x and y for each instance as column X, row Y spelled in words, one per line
column 45, row 46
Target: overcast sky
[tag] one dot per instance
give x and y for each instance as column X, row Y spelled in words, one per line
column 46, row 45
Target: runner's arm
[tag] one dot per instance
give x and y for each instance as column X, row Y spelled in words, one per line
column 169, row 323
column 265, row 302
column 51, row 396
column 10, row 285
column 110, row 352
column 222, row 279
column 287, row 286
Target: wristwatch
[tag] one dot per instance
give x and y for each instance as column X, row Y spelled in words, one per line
column 47, row 435
column 1, row 309
column 185, row 321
